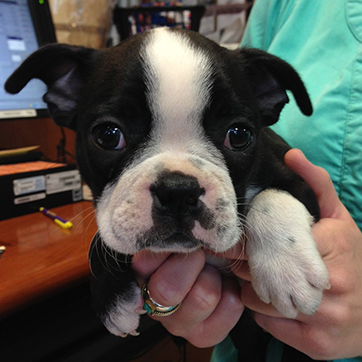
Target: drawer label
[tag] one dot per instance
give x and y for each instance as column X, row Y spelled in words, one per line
column 28, row 185
column 29, row 198
column 63, row 181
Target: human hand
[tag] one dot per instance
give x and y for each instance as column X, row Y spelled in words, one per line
column 211, row 304
column 335, row 331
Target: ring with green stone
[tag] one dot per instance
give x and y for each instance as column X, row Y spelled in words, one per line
column 153, row 308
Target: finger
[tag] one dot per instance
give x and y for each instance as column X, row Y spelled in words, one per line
column 229, row 311
column 173, row 280
column 241, row 270
column 299, row 335
column 237, row 252
column 199, row 303
column 332, row 236
column 251, row 300
column 206, row 324
column 319, row 180
column 145, row 263
column 288, row 331
column 325, row 236
column 234, row 253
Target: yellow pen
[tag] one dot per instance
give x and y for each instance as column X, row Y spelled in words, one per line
column 57, row 219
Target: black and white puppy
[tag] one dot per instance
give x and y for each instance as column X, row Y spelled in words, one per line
column 173, row 140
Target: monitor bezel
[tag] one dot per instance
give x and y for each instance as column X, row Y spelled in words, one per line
column 45, row 32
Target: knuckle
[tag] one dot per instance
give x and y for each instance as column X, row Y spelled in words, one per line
column 325, row 175
column 341, row 319
column 200, row 342
column 319, row 350
column 344, row 246
column 324, row 343
column 167, row 293
column 319, row 346
column 205, row 299
column 235, row 304
column 203, row 337
column 341, row 281
column 176, row 330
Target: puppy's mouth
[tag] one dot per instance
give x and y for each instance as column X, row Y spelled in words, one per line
column 174, row 240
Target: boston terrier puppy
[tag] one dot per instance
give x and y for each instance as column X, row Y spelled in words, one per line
column 173, row 140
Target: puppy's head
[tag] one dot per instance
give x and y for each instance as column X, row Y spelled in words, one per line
column 167, row 131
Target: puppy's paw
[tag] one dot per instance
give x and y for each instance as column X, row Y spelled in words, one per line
column 292, row 282
column 123, row 315
column 286, row 267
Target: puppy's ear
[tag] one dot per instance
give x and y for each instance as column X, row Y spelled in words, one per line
column 271, row 77
column 63, row 69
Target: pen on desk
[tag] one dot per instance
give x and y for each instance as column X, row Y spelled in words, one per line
column 2, row 249
column 57, row 219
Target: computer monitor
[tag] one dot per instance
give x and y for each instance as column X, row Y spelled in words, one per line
column 25, row 25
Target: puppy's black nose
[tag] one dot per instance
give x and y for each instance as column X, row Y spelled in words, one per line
column 176, row 194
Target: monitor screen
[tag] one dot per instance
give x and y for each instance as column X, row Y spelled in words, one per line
column 25, row 25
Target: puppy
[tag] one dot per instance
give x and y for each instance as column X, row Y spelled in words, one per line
column 173, row 140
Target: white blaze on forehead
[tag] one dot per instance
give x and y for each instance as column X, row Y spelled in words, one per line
column 179, row 81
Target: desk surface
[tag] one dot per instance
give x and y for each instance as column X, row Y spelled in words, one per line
column 41, row 257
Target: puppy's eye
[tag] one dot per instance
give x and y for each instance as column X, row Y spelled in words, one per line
column 108, row 136
column 238, row 138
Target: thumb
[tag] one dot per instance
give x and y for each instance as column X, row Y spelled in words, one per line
column 145, row 263
column 320, row 182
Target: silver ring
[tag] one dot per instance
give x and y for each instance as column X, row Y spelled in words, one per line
column 153, row 308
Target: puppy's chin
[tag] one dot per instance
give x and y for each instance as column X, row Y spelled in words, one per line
column 176, row 242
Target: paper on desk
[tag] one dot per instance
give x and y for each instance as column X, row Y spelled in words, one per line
column 17, row 151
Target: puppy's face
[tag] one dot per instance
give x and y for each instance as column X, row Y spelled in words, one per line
column 169, row 187
column 167, row 133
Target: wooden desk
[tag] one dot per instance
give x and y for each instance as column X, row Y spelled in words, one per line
column 45, row 304
column 41, row 257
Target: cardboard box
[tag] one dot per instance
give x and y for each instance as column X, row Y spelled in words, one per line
column 25, row 187
column 82, row 22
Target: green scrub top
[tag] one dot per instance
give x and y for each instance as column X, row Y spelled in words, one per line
column 322, row 39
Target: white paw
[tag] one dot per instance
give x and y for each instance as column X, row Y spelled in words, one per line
column 123, row 317
column 286, row 267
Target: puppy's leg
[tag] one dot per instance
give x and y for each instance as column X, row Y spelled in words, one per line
column 116, row 296
column 286, row 267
